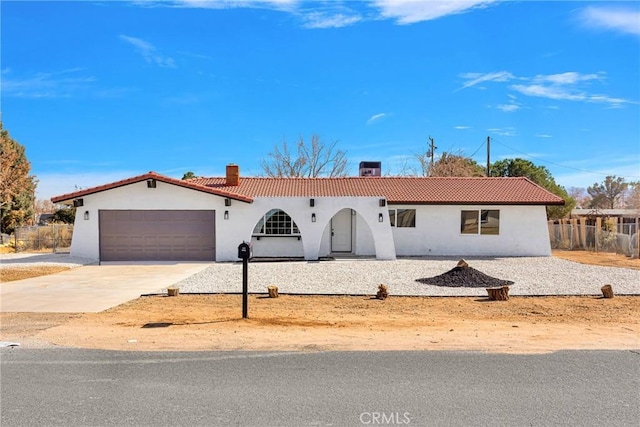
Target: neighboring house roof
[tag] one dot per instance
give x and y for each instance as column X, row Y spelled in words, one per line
column 627, row 213
column 152, row 175
column 397, row 190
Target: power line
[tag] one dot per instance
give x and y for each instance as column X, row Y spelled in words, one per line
column 481, row 145
column 558, row 164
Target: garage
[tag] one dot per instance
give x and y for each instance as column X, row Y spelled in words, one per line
column 157, row 235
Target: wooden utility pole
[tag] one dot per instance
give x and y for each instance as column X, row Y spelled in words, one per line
column 488, row 156
column 431, row 154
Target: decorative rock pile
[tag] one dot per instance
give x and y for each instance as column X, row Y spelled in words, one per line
column 463, row 276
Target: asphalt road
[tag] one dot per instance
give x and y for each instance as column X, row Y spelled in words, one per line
column 104, row 388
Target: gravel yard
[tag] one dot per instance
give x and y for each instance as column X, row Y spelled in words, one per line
column 531, row 276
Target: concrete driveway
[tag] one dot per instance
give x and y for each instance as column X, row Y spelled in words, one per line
column 92, row 288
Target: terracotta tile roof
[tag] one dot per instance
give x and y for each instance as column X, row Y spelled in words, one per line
column 397, row 190
column 153, row 175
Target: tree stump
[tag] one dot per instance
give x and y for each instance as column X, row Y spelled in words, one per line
column 498, row 294
column 173, row 292
column 607, row 291
column 273, row 291
column 382, row 292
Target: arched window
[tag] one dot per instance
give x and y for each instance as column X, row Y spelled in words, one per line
column 276, row 222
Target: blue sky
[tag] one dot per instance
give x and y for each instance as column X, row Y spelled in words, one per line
column 101, row 91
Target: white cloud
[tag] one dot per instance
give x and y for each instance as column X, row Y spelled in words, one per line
column 222, row 4
column 324, row 20
column 61, row 84
column 613, row 102
column 335, row 14
column 462, row 127
column 551, row 92
column 412, row 11
column 508, row 131
column 569, row 93
column 377, row 117
column 543, row 135
column 617, row 19
column 568, row 78
column 568, row 86
column 508, row 108
column 149, row 52
column 477, row 78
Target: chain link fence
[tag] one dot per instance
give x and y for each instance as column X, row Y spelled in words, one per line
column 54, row 238
column 622, row 239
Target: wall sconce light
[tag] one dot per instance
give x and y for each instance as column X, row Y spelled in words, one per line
column 380, row 217
column 312, row 202
column 226, row 214
column 227, row 202
column 382, row 203
column 86, row 215
column 77, row 203
column 151, row 183
column 313, row 216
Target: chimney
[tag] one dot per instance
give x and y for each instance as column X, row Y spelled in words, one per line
column 233, row 175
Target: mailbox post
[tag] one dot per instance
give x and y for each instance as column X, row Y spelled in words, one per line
column 244, row 253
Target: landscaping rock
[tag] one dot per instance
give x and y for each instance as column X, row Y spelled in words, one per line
column 463, row 276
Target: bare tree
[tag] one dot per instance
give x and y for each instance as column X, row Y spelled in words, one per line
column 310, row 160
column 580, row 195
column 633, row 198
column 456, row 165
column 424, row 159
column 43, row 206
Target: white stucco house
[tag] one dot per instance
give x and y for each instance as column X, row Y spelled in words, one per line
column 155, row 217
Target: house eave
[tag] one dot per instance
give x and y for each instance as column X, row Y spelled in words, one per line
column 69, row 197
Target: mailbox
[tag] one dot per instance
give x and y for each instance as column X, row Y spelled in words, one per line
column 244, row 251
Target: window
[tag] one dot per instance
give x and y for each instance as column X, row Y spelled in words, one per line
column 485, row 221
column 402, row 217
column 276, row 222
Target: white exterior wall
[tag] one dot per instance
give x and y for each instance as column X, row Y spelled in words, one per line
column 523, row 232
column 315, row 241
column 137, row 196
column 523, row 229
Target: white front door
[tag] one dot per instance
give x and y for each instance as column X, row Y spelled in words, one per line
column 341, row 231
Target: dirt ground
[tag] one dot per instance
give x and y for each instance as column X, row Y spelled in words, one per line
column 26, row 272
column 317, row 323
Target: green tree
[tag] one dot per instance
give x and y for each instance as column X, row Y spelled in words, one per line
column 608, row 194
column 65, row 215
column 541, row 176
column 310, row 160
column 188, row 175
column 17, row 187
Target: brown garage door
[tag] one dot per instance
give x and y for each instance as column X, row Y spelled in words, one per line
column 157, row 235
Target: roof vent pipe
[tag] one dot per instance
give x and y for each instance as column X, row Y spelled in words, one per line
column 370, row 168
